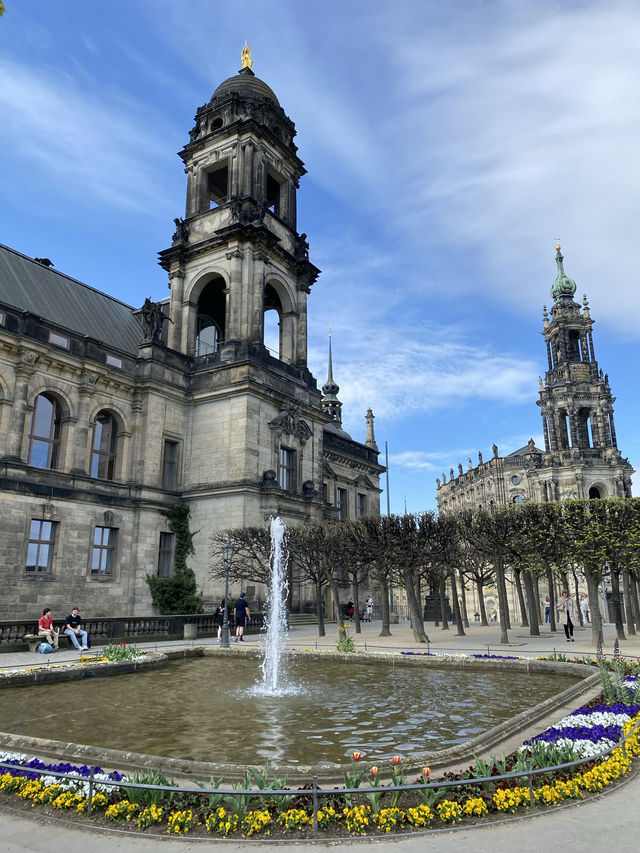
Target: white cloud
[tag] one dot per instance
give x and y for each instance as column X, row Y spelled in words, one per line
column 85, row 145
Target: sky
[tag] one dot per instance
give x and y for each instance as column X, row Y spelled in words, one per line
column 448, row 145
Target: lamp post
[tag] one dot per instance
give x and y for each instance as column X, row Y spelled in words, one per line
column 227, row 553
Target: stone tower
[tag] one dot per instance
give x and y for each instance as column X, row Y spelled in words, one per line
column 256, row 442
column 580, row 458
column 577, row 405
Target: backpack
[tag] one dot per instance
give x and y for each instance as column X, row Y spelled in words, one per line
column 45, row 649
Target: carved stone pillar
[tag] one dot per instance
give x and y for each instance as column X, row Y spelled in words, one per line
column 23, row 372
column 81, row 450
column 233, row 307
column 176, row 286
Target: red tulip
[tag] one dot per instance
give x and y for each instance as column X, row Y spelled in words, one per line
column 374, row 771
column 357, row 756
column 426, row 772
column 396, row 760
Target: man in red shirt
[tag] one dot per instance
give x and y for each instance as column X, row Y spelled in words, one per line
column 46, row 629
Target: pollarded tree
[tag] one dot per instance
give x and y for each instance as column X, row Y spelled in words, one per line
column 251, row 554
column 486, row 532
column 308, row 545
column 374, row 542
column 588, row 547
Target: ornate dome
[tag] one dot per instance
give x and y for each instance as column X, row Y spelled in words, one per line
column 563, row 286
column 247, row 85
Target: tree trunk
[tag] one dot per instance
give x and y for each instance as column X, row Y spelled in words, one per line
column 552, row 599
column 386, row 616
column 576, row 593
column 532, row 601
column 442, row 592
column 634, row 598
column 320, row 608
column 628, row 606
column 596, row 618
column 335, row 592
column 536, row 588
column 456, row 604
column 503, row 607
column 463, row 599
column 417, row 625
column 615, row 598
column 524, row 618
column 356, row 605
column 483, row 609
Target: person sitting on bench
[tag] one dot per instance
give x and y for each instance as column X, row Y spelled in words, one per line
column 73, row 629
column 46, row 629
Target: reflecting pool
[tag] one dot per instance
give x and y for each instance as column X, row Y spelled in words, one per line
column 202, row 709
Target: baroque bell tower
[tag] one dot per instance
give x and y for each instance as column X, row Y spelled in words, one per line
column 236, row 254
column 577, row 405
column 252, row 442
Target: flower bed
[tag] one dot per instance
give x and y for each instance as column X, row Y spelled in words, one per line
column 365, row 810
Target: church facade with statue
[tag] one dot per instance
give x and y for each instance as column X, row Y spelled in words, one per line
column 580, row 458
column 110, row 415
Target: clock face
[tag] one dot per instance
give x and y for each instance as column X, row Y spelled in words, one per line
column 515, row 479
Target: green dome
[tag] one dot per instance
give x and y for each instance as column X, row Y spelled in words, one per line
column 563, row 287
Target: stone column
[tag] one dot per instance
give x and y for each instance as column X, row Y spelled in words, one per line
column 233, row 306
column 301, row 328
column 247, row 174
column 614, row 440
column 80, row 449
column 176, row 286
column 260, row 269
column 23, row 372
column 573, row 426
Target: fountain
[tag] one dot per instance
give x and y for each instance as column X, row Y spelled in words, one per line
column 276, row 616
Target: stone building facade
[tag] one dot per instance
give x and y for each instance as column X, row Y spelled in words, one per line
column 110, row 414
column 580, row 458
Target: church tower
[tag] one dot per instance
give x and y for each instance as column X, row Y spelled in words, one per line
column 236, row 254
column 240, row 275
column 577, row 404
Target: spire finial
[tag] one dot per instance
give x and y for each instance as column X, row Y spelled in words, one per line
column 370, row 440
column 330, row 402
column 247, row 62
column 563, row 287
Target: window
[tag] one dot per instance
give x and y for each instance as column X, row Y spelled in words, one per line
column 341, row 503
column 114, row 361
column 286, row 471
column 44, row 433
column 362, row 505
column 1, row 319
column 104, row 543
column 165, row 555
column 515, row 479
column 169, row 463
column 518, row 499
column 105, row 447
column 58, row 340
column 40, row 549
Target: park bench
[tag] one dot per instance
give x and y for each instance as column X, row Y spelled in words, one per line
column 34, row 641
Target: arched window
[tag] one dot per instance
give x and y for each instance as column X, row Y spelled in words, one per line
column 594, row 493
column 208, row 335
column 104, row 449
column 44, row 433
column 518, row 499
column 210, row 325
column 272, row 338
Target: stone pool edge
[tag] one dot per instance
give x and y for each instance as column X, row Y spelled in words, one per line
column 489, row 741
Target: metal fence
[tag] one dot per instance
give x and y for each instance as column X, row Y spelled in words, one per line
column 316, row 792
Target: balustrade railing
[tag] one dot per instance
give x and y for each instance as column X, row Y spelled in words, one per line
column 103, row 630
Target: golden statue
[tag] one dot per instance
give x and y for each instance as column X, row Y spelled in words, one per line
column 247, row 62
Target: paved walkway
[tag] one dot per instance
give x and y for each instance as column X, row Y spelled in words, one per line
column 608, row 821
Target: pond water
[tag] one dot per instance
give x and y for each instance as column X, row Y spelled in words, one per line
column 202, row 709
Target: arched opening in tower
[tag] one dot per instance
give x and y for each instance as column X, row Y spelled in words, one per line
column 210, row 329
column 272, row 337
column 594, row 493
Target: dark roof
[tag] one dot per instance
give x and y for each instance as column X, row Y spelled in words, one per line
column 30, row 286
column 523, row 451
column 247, row 85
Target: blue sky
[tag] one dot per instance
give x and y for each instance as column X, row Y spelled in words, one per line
column 447, row 145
